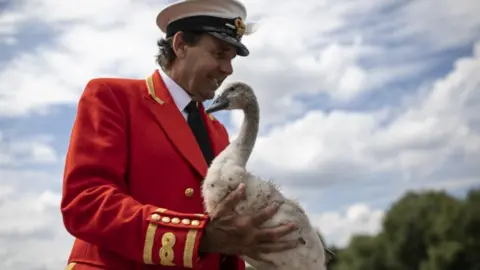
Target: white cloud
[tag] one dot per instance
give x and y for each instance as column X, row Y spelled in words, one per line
column 31, row 227
column 32, row 231
column 443, row 24
column 22, row 151
column 304, row 56
column 415, row 139
column 29, row 212
column 322, row 47
column 8, row 21
column 338, row 227
column 91, row 43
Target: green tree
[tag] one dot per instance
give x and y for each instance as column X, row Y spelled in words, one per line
column 422, row 231
column 467, row 231
column 416, row 222
column 364, row 253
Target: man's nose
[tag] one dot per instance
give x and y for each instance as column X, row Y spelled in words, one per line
column 226, row 67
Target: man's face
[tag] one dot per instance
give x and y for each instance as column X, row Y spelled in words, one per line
column 205, row 65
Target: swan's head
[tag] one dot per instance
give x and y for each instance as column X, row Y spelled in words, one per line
column 236, row 95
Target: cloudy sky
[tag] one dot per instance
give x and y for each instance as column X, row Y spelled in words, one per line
column 360, row 102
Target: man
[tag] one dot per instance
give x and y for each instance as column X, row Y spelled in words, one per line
column 140, row 148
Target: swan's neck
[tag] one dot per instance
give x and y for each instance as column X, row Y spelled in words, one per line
column 244, row 143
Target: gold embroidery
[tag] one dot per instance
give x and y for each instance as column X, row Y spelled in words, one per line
column 240, row 27
column 70, row 266
column 189, row 246
column 151, row 90
column 166, row 252
column 150, row 239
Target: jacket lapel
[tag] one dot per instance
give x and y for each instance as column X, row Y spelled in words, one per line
column 166, row 113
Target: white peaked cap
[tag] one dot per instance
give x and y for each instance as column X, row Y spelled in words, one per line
column 223, row 19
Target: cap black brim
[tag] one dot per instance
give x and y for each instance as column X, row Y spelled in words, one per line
column 241, row 48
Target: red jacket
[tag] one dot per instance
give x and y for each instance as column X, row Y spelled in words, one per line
column 131, row 190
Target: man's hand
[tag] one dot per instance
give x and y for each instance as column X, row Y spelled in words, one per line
column 231, row 233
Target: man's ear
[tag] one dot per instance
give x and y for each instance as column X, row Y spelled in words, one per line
column 179, row 45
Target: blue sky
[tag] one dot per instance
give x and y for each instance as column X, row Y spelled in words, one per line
column 360, row 102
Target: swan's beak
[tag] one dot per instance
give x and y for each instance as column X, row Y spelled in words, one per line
column 218, row 104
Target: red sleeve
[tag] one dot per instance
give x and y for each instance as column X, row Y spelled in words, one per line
column 95, row 206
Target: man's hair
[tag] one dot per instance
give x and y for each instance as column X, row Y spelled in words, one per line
column 166, row 55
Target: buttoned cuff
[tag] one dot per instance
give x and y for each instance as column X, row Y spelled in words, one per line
column 173, row 238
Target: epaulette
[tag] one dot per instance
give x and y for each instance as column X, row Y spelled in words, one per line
column 212, row 117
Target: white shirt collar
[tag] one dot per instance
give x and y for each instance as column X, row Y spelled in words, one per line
column 180, row 96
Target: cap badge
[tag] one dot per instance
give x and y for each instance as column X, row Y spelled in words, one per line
column 240, row 27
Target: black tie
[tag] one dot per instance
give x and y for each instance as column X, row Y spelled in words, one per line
column 199, row 129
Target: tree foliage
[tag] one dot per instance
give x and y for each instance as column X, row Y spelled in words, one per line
column 422, row 231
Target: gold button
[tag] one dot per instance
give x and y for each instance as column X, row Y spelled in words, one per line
column 156, row 217
column 166, row 219
column 186, row 221
column 189, row 192
column 195, row 222
column 175, row 220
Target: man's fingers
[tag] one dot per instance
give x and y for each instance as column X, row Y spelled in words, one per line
column 272, row 234
column 278, row 247
column 231, row 200
column 266, row 213
column 234, row 197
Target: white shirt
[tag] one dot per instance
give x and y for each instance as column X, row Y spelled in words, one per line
column 180, row 96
